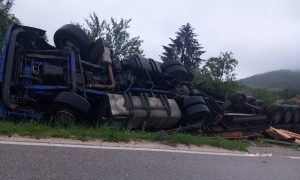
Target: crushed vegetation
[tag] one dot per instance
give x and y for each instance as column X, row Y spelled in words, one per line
column 113, row 134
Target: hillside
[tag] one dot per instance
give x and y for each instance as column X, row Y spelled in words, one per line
column 280, row 79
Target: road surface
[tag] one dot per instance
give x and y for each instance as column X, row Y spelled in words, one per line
column 56, row 161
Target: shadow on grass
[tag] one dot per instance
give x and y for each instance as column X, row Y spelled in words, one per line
column 112, row 134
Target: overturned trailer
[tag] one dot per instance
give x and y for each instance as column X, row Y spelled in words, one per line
column 79, row 81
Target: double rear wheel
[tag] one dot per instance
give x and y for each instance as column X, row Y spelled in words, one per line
column 195, row 110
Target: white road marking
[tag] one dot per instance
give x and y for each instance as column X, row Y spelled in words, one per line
column 293, row 157
column 137, row 149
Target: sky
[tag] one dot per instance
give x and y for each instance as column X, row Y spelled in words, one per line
column 264, row 35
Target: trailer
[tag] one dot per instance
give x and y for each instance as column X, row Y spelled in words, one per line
column 78, row 81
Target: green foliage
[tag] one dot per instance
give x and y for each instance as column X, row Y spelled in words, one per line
column 111, row 134
column 268, row 96
column 185, row 47
column 289, row 93
column 221, row 68
column 114, row 34
column 218, row 74
column 223, row 88
column 6, row 18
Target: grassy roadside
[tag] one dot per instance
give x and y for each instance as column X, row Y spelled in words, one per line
column 109, row 134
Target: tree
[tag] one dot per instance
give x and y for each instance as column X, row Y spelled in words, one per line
column 221, row 68
column 289, row 93
column 114, row 34
column 6, row 18
column 185, row 47
column 218, row 74
column 268, row 96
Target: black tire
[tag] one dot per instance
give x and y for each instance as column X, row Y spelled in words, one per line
column 197, row 114
column 251, row 100
column 75, row 35
column 176, row 69
column 179, row 72
column 238, row 101
column 262, row 105
column 73, row 100
column 287, row 114
column 64, row 116
column 170, row 63
column 192, row 100
column 296, row 114
column 95, row 50
column 275, row 113
column 68, row 108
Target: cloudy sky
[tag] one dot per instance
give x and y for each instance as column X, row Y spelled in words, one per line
column 264, row 35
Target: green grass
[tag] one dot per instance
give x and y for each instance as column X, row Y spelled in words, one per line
column 110, row 134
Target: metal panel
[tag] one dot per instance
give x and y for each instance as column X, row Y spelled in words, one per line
column 159, row 117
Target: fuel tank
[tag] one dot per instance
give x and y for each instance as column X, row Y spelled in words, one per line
column 145, row 112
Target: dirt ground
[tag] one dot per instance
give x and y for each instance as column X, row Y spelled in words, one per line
column 270, row 149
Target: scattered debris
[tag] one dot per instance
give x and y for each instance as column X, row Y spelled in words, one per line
column 283, row 135
column 239, row 135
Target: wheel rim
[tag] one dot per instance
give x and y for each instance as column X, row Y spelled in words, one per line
column 240, row 102
column 65, row 118
column 296, row 117
column 288, row 117
column 66, row 39
column 277, row 117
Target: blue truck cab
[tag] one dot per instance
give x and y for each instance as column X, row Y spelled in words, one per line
column 36, row 77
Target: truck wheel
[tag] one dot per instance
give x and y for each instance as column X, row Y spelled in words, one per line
column 176, row 68
column 259, row 103
column 195, row 110
column 275, row 113
column 75, row 35
column 287, row 114
column 95, row 50
column 197, row 114
column 65, row 116
column 238, row 101
column 192, row 100
column 251, row 100
column 296, row 114
column 262, row 105
column 69, row 108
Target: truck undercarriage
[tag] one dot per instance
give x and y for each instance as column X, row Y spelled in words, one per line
column 79, row 81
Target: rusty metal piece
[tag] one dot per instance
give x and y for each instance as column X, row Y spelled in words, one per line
column 106, row 86
column 217, row 119
column 238, row 134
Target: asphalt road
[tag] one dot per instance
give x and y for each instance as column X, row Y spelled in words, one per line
column 48, row 162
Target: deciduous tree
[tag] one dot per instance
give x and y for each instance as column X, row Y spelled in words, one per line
column 218, row 74
column 6, row 17
column 115, row 35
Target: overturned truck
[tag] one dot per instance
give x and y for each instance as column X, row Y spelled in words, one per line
column 79, row 81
